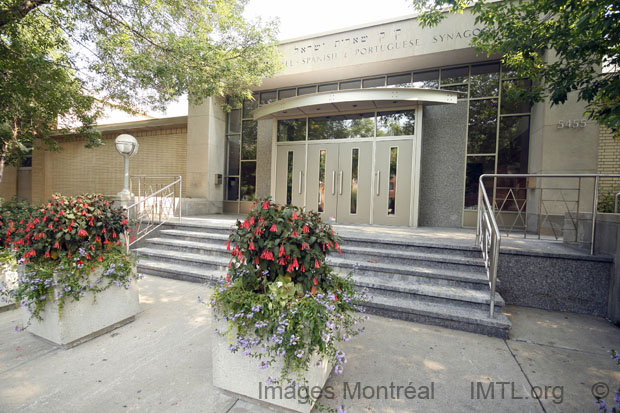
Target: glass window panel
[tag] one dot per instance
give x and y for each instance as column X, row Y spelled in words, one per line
column 249, row 106
column 287, row 93
column 396, row 123
column 354, row 175
column 321, row 206
column 391, row 207
column 476, row 166
column 248, row 180
column 457, row 88
column 289, row 178
column 374, row 82
column 291, row 130
column 234, row 146
column 267, row 97
column 306, row 90
column 454, row 75
column 248, row 140
column 429, row 80
column 484, row 80
column 512, row 96
column 508, row 72
column 234, row 121
column 351, row 84
column 512, row 158
column 328, row 87
column 402, row 80
column 232, row 189
column 359, row 125
column 482, row 130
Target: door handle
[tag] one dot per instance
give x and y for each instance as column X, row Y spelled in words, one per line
column 300, row 180
column 341, row 176
column 334, row 182
column 378, row 179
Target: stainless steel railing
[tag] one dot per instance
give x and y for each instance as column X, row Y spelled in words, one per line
column 616, row 203
column 156, row 204
column 488, row 235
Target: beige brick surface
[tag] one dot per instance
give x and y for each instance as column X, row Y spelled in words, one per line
column 76, row 169
column 609, row 159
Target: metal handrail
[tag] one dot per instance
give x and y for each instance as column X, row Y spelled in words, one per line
column 616, row 203
column 488, row 237
column 162, row 219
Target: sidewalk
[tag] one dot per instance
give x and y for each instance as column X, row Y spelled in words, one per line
column 162, row 362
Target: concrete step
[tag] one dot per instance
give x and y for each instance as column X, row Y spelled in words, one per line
column 214, row 248
column 444, row 315
column 412, row 274
column 209, row 228
column 197, row 236
column 187, row 259
column 380, row 254
column 465, row 298
column 178, row 271
column 411, row 246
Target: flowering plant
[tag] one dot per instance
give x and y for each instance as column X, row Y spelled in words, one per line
column 60, row 244
column 281, row 300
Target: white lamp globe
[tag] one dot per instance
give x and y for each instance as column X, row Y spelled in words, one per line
column 126, row 145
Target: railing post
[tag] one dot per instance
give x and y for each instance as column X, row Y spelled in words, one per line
column 180, row 197
column 479, row 218
column 594, row 211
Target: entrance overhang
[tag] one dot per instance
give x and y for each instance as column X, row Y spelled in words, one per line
column 347, row 101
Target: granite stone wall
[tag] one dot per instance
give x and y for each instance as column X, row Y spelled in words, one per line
column 443, row 165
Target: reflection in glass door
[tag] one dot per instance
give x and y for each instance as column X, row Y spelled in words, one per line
column 354, row 182
column 290, row 174
column 322, row 179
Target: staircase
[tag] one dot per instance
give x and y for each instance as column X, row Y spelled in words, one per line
column 410, row 280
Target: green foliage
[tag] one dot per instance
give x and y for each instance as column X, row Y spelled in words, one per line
column 606, row 202
column 558, row 44
column 281, row 301
column 68, row 59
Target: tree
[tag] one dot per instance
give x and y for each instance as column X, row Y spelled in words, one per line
column 63, row 61
column 560, row 44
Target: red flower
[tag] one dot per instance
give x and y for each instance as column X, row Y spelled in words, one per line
column 304, row 246
column 282, row 261
column 47, row 254
column 50, row 226
column 124, row 222
column 114, row 235
column 313, row 290
column 335, row 297
column 303, row 269
column 316, row 264
column 273, row 228
column 305, row 229
column 251, row 220
column 100, row 258
column 80, row 262
column 228, row 246
column 82, row 233
column 295, row 215
column 282, row 252
column 251, row 247
column 315, row 281
column 267, row 255
column 295, row 234
column 266, row 205
column 57, row 245
column 295, row 263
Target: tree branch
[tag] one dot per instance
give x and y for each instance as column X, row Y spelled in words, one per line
column 20, row 11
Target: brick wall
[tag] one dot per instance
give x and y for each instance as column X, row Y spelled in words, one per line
column 76, row 169
column 8, row 186
column 609, row 160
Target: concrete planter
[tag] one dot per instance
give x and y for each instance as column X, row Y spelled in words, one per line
column 240, row 374
column 91, row 316
column 8, row 276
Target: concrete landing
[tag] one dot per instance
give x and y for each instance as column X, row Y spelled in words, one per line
column 162, row 363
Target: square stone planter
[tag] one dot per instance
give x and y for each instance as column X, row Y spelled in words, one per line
column 91, row 316
column 240, row 374
column 8, row 276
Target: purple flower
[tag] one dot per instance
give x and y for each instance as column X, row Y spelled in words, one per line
column 281, row 352
column 325, row 337
column 338, row 369
column 299, row 353
column 263, row 365
column 341, row 409
column 269, row 381
column 200, row 300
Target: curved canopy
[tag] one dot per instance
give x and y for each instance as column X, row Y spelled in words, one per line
column 353, row 100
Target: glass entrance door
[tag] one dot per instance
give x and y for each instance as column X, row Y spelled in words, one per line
column 392, row 182
column 290, row 174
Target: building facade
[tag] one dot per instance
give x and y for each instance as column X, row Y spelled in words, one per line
column 384, row 124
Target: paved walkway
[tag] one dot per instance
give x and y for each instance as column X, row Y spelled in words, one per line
column 162, row 363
